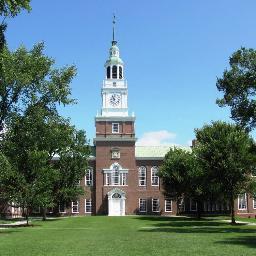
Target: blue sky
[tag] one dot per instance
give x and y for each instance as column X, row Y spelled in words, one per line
column 173, row 53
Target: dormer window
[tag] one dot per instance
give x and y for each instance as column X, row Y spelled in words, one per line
column 115, row 127
column 114, row 72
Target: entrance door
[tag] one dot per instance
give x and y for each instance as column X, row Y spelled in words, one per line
column 116, row 205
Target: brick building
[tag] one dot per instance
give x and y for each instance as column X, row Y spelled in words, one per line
column 123, row 179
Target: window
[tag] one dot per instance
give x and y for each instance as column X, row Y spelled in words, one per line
column 108, row 72
column 254, row 203
column 89, row 177
column 115, row 127
column 36, row 210
column 108, row 179
column 114, row 72
column 88, row 205
column 62, row 207
column 193, row 205
column 155, row 205
column 75, row 207
column 142, row 176
column 154, row 176
column 242, row 202
column 116, row 177
column 120, row 73
column 168, row 205
column 142, row 205
column 115, row 154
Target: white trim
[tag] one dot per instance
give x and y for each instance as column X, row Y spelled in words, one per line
column 145, row 204
column 165, row 202
column 254, row 203
column 64, row 208
column 238, row 202
column 72, row 205
column 142, row 168
column 190, row 204
column 153, row 199
column 118, row 128
column 90, row 202
column 90, row 172
column 154, row 168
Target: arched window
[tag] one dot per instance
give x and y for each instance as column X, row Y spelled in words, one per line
column 114, row 72
column 120, row 73
column 116, row 176
column 116, row 195
column 154, row 176
column 142, row 176
column 108, row 72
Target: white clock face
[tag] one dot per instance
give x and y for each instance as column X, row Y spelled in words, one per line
column 115, row 99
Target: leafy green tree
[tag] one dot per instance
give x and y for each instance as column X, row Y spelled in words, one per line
column 227, row 154
column 238, row 85
column 10, row 8
column 29, row 78
column 182, row 177
column 31, row 142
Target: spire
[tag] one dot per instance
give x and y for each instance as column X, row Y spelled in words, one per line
column 114, row 24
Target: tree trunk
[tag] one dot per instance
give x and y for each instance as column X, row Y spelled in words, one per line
column 177, row 205
column 27, row 216
column 232, row 208
column 44, row 214
column 199, row 209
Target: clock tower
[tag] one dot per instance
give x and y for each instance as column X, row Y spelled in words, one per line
column 115, row 140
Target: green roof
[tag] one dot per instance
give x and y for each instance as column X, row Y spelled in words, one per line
column 155, row 151
column 148, row 151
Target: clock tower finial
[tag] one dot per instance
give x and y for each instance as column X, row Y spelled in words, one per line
column 114, row 24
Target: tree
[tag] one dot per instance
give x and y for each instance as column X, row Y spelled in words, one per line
column 29, row 78
column 239, row 87
column 30, row 144
column 182, row 177
column 227, row 154
column 10, row 8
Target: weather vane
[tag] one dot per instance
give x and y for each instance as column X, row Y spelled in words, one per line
column 114, row 22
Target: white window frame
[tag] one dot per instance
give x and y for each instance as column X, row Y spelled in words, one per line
column 88, row 203
column 154, row 176
column 166, row 202
column 116, row 177
column 140, row 204
column 155, row 200
column 88, row 179
column 254, row 203
column 75, row 204
column 240, row 199
column 192, row 202
column 114, row 126
column 64, row 207
column 142, row 178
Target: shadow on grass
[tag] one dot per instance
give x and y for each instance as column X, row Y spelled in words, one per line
column 182, row 225
column 8, row 231
column 192, row 225
column 249, row 241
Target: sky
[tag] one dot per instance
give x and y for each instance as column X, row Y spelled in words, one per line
column 173, row 53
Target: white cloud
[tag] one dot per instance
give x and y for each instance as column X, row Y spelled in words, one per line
column 156, row 138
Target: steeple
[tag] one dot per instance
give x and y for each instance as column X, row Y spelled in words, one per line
column 114, row 91
column 114, row 64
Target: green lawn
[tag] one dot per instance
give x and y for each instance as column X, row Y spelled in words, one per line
column 129, row 236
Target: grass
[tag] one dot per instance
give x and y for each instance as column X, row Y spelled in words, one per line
column 131, row 235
